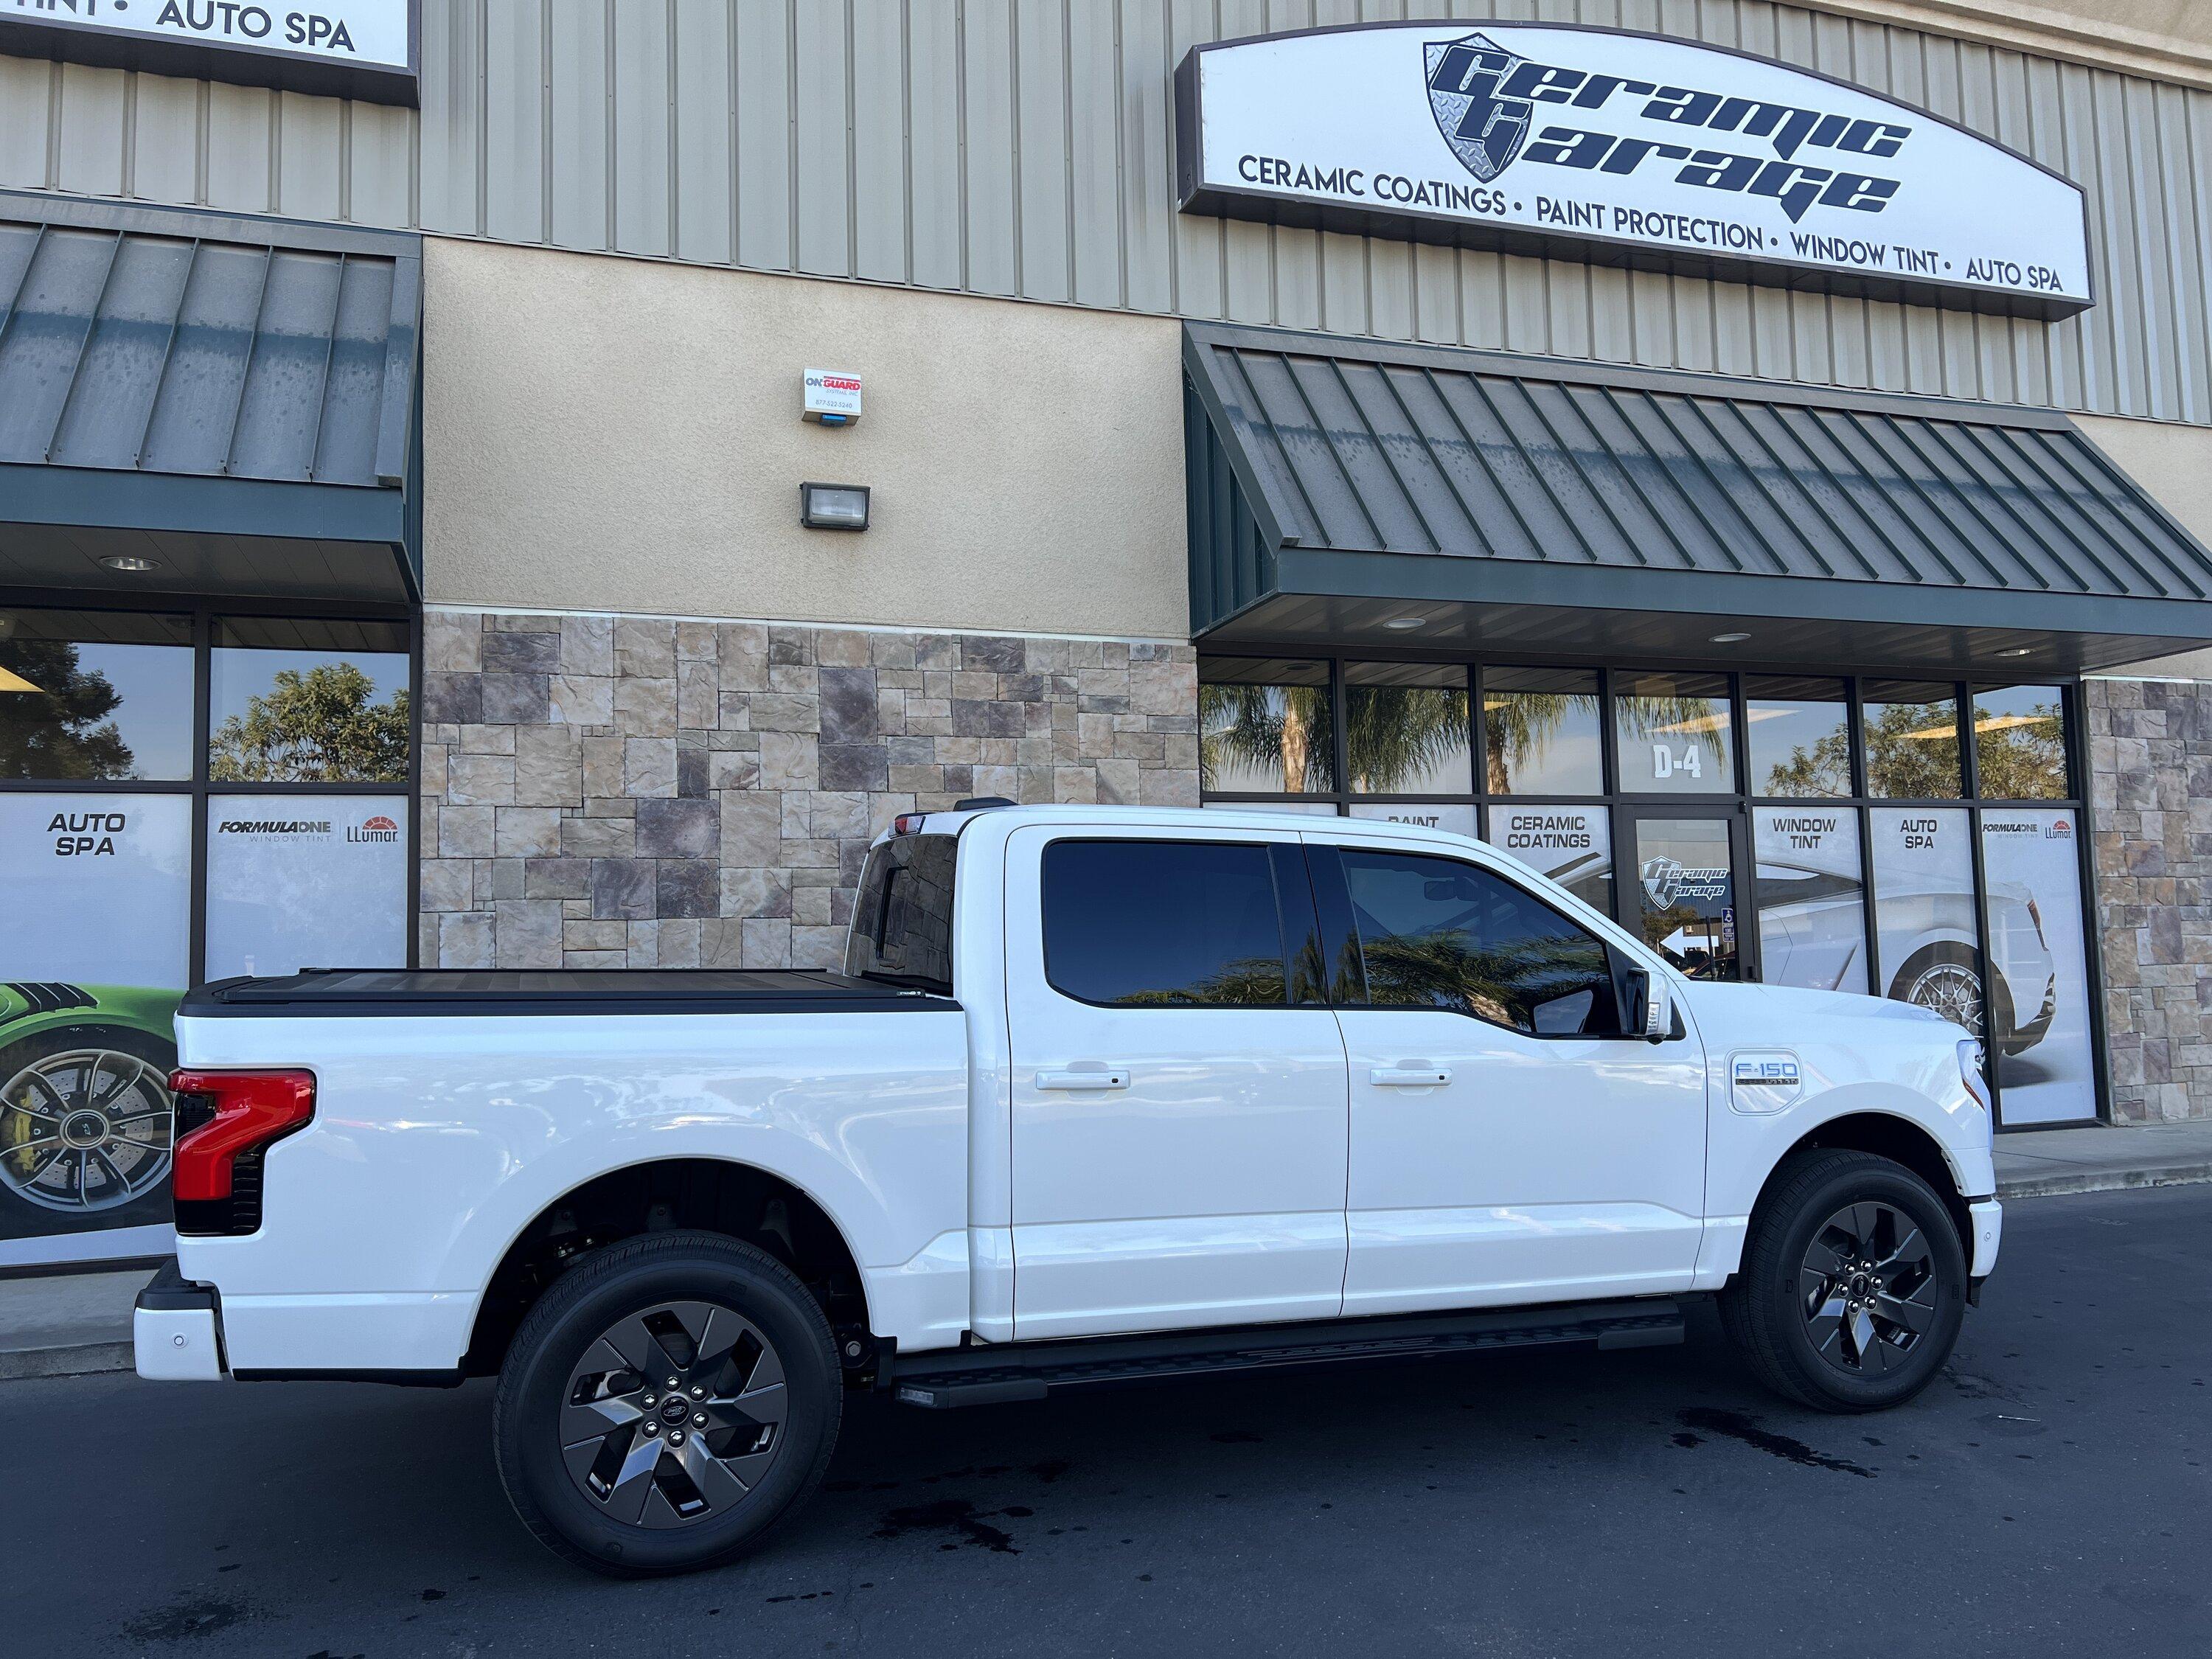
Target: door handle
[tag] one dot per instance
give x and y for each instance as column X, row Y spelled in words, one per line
column 1072, row 1077
column 1410, row 1077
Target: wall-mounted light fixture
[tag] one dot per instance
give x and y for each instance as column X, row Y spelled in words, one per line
column 833, row 506
column 131, row 563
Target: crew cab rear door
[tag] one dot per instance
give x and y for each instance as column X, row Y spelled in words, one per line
column 1179, row 1093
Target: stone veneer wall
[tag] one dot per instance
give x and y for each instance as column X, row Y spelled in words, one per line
column 2150, row 778
column 612, row 792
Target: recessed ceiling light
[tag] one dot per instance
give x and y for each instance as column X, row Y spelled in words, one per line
column 1730, row 638
column 130, row 561
column 2019, row 651
column 1401, row 623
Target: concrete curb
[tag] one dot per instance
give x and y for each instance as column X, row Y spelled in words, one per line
column 72, row 1359
column 2105, row 1181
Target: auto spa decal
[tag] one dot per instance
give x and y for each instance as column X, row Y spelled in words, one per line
column 1635, row 147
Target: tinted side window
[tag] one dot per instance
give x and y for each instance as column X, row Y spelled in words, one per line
column 1438, row 933
column 1161, row 924
column 902, row 915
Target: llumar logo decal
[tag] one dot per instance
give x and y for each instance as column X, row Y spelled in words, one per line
column 1488, row 101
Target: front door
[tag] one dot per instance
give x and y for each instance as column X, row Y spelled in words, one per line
column 1178, row 1102
column 1509, row 1142
column 1684, row 887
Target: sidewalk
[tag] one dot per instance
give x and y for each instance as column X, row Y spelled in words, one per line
column 2039, row 1163
column 68, row 1324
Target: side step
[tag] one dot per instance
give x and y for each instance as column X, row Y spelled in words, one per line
column 994, row 1375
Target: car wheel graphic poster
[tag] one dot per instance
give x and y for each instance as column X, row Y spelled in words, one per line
column 2031, row 863
column 97, row 889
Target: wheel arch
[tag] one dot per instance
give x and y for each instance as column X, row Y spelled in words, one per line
column 690, row 1193
column 1884, row 1135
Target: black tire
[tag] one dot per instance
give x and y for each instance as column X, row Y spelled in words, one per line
column 641, row 1278
column 1775, row 1310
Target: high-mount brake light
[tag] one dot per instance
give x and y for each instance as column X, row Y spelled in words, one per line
column 908, row 823
column 229, row 1120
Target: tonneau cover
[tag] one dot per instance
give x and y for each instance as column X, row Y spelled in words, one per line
column 418, row 993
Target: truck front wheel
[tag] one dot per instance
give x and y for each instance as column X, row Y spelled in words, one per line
column 1852, row 1286
column 665, row 1403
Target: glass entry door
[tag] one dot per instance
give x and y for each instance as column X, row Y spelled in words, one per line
column 1685, row 888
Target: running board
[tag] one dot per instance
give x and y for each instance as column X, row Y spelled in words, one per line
column 995, row 1375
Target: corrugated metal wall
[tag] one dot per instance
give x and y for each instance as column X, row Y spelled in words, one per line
column 1022, row 147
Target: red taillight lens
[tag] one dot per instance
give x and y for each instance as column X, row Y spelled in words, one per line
column 249, row 1110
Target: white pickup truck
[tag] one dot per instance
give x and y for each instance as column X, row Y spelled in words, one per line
column 1101, row 1094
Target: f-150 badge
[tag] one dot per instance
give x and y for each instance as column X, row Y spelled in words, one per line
column 1763, row 1082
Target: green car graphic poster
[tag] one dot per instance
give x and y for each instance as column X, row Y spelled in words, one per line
column 96, row 886
column 86, row 1120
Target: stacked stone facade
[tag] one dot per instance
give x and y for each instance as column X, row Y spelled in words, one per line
column 2150, row 766
column 635, row 792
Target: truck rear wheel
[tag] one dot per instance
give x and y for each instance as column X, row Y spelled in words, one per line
column 665, row 1404
column 1852, row 1286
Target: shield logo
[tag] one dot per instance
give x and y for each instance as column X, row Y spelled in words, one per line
column 1485, row 131
column 1663, row 880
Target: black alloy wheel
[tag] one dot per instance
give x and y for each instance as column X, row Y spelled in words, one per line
column 673, row 1414
column 1852, row 1285
column 1868, row 1282
column 665, row 1403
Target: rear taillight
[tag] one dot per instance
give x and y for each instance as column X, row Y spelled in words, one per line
column 228, row 1121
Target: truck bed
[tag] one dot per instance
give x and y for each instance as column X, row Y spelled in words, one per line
column 404, row 992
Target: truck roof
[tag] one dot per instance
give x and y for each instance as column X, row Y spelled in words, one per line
column 1254, row 817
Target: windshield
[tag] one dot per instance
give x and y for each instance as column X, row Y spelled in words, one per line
column 902, row 915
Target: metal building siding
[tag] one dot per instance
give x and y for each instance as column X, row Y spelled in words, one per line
column 1025, row 147
column 1353, row 448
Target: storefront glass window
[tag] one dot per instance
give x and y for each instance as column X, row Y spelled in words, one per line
column 1674, row 734
column 2040, row 1011
column 1812, row 896
column 314, row 701
column 94, row 696
column 1572, row 845
column 1264, row 727
column 1406, row 729
column 1539, row 731
column 2020, row 743
column 1799, row 732
column 305, row 881
column 1457, row 817
column 100, row 883
column 1924, row 902
column 1912, row 733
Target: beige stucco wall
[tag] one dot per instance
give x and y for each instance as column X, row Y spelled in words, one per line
column 624, row 436
column 2174, row 465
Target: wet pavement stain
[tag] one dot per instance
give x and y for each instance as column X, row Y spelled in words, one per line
column 953, row 1514
column 1739, row 1426
column 185, row 1618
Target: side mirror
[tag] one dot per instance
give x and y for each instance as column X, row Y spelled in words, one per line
column 1650, row 1012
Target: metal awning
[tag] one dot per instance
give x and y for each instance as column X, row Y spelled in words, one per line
column 232, row 398
column 1523, row 504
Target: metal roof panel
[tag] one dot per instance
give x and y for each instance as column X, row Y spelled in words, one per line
column 1487, row 460
column 168, row 341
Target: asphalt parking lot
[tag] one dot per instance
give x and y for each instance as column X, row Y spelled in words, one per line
column 2049, row 1497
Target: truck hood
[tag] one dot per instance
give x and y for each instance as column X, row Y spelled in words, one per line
column 1781, row 1009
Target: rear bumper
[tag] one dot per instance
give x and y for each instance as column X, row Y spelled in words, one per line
column 176, row 1330
column 1986, row 1220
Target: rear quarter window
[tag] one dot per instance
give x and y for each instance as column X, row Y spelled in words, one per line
column 902, row 915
